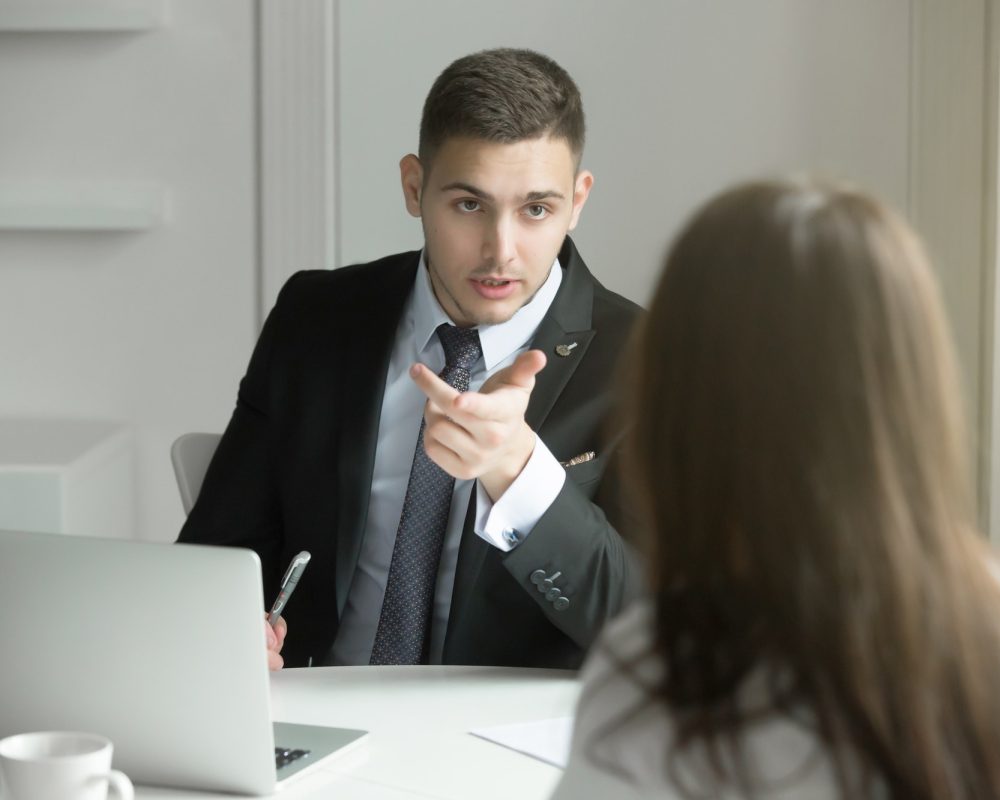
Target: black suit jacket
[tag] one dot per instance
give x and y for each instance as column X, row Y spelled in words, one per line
column 293, row 469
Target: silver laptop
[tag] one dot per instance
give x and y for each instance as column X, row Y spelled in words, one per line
column 159, row 647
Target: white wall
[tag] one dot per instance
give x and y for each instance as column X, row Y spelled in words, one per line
column 150, row 328
column 682, row 97
column 686, row 96
column 155, row 328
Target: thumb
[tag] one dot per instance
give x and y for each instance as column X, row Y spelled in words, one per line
column 525, row 367
column 520, row 374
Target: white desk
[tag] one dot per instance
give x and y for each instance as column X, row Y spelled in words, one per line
column 419, row 718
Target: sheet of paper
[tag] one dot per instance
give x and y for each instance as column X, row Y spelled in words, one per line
column 546, row 739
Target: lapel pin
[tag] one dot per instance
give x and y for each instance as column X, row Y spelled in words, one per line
column 564, row 349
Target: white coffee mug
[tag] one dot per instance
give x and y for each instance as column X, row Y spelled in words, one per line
column 59, row 765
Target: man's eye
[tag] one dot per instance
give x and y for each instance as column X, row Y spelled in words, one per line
column 468, row 205
column 537, row 211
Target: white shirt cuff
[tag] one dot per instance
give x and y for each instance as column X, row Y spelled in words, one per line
column 507, row 522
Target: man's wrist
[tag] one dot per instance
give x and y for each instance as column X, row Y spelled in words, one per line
column 499, row 479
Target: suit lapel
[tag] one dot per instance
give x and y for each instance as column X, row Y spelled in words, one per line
column 566, row 328
column 374, row 313
column 564, row 335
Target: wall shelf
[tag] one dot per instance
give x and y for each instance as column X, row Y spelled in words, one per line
column 81, row 207
column 94, row 16
column 66, row 476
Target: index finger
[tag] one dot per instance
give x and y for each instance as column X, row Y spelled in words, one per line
column 438, row 392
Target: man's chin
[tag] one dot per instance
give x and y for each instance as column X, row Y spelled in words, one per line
column 493, row 316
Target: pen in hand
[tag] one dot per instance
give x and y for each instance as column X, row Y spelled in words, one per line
column 288, row 584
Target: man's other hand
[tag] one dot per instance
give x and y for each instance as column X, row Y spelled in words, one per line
column 275, row 640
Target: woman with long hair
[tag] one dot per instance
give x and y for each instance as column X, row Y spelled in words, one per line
column 823, row 619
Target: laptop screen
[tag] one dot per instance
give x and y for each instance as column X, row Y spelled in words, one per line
column 159, row 647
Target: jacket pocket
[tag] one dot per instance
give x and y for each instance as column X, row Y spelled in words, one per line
column 586, row 473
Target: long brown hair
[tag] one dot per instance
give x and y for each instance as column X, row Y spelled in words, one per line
column 799, row 460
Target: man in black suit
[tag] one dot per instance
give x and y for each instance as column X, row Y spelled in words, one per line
column 485, row 534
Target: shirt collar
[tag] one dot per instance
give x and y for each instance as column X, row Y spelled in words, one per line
column 498, row 341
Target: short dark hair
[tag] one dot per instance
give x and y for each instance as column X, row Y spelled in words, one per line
column 505, row 96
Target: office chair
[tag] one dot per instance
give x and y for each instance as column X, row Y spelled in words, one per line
column 191, row 454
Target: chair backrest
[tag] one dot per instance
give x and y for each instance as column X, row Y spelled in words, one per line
column 191, row 455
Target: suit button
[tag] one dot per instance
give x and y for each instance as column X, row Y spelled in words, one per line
column 553, row 594
column 561, row 604
column 538, row 576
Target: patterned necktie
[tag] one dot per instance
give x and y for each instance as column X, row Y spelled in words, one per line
column 404, row 624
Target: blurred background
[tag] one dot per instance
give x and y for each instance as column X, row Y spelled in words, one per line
column 166, row 164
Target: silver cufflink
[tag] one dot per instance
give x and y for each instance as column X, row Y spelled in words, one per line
column 511, row 536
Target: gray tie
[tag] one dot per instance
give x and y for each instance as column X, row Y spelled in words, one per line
column 404, row 625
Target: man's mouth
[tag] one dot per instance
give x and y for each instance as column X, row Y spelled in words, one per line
column 494, row 288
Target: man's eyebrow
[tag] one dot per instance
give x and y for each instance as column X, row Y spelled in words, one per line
column 530, row 197
column 469, row 188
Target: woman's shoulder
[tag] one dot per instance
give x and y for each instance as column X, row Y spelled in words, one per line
column 618, row 733
column 624, row 734
column 627, row 640
column 623, row 669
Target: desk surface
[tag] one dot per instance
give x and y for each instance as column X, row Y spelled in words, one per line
column 418, row 718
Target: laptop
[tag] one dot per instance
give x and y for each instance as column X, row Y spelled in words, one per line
column 159, row 647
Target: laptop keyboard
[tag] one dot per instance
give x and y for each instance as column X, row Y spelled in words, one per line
column 283, row 757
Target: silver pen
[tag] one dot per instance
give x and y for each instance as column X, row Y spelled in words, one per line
column 288, row 583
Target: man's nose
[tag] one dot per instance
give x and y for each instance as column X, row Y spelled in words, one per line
column 500, row 246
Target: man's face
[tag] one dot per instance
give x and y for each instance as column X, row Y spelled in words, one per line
column 494, row 218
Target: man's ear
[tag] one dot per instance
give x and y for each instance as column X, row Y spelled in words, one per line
column 411, row 176
column 581, row 190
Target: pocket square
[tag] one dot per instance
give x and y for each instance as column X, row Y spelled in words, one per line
column 580, row 459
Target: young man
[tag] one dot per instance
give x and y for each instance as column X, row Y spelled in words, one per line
column 430, row 426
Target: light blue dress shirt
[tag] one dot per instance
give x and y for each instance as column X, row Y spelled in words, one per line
column 503, row 524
